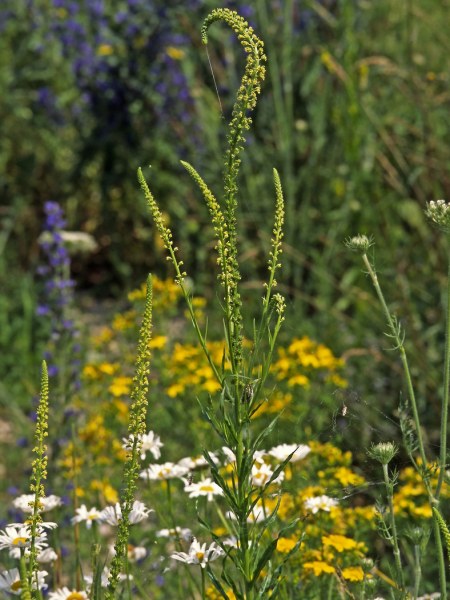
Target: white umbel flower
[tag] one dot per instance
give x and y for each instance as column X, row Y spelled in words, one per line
column 199, row 554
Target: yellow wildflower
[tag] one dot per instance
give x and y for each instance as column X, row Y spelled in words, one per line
column 339, row 542
column 353, row 573
column 105, row 50
column 120, row 386
column 175, row 53
column 319, row 567
column 158, row 341
column 108, row 368
column 346, row 476
column 90, row 372
column 285, row 545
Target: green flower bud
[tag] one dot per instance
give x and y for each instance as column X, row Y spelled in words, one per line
column 383, row 452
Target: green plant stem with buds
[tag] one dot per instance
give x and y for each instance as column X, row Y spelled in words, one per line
column 361, row 244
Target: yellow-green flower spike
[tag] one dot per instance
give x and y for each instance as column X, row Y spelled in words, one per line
column 136, row 428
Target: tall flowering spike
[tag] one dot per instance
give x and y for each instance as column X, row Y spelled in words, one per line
column 277, row 232
column 217, row 221
column 163, row 230
column 136, row 429
column 39, row 469
column 246, row 99
column 443, row 527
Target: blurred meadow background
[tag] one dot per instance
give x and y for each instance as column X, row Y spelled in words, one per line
column 355, row 116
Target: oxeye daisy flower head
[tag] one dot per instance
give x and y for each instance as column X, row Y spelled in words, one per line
column 184, row 533
column 298, row 451
column 148, row 442
column 113, row 514
column 25, row 502
column 199, row 554
column 10, row 581
column 18, row 536
column 83, row 514
column 163, row 471
column 206, row 487
column 317, row 503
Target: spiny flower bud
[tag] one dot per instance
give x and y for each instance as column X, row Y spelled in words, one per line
column 383, row 452
column 439, row 212
column 359, row 243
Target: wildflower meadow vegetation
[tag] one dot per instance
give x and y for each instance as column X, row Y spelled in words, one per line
column 225, row 303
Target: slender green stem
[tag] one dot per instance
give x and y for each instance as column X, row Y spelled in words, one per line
column 403, row 358
column 417, row 571
column 412, row 397
column 394, row 535
column 445, row 399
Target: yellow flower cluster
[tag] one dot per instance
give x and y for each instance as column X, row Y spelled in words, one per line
column 305, row 358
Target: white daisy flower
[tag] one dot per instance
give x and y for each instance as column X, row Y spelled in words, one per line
column 206, row 487
column 317, row 503
column 65, row 594
column 282, row 451
column 166, row 470
column 46, row 556
column 230, row 456
column 18, row 535
column 83, row 514
column 25, row 503
column 256, row 516
column 113, row 514
column 261, row 474
column 104, row 578
column 198, row 554
column 197, row 462
column 134, row 553
column 148, row 442
column 178, row 532
column 10, row 581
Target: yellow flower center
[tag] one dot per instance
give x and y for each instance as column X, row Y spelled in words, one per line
column 76, row 596
column 16, row 586
column 19, row 540
column 207, row 488
column 200, row 556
